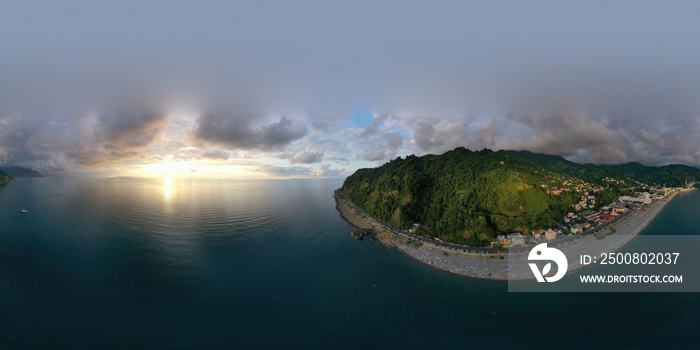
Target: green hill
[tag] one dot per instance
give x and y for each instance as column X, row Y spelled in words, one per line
column 468, row 197
column 5, row 179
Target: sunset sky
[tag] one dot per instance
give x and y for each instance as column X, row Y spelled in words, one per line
column 322, row 88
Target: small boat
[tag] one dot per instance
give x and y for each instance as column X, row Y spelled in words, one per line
column 24, row 211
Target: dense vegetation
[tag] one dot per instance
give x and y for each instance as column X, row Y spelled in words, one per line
column 670, row 175
column 468, row 197
column 4, row 178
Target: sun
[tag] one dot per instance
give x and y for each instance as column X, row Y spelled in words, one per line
column 162, row 169
column 194, row 168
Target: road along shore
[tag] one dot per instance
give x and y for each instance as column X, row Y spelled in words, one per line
column 492, row 265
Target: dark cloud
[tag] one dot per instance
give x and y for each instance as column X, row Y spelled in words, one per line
column 374, row 154
column 127, row 134
column 132, row 129
column 383, row 146
column 393, row 140
column 426, row 137
column 239, row 133
column 380, row 143
column 216, row 154
column 303, row 157
column 326, row 123
column 580, row 136
column 3, row 155
column 306, row 157
column 118, row 138
column 433, row 135
column 60, row 142
column 373, row 128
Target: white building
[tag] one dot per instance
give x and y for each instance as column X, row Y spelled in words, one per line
column 516, row 239
column 644, row 198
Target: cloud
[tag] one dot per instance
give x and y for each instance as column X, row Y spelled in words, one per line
column 64, row 142
column 326, row 123
column 297, row 170
column 372, row 129
column 306, row 157
column 116, row 138
column 393, row 139
column 216, row 154
column 238, row 132
column 3, row 155
column 380, row 143
column 130, row 133
column 616, row 88
column 374, row 154
column 433, row 135
column 325, row 170
column 578, row 136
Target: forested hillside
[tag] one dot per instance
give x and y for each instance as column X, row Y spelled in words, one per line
column 468, row 197
column 669, row 175
column 4, row 178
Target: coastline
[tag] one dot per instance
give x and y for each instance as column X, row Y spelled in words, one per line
column 494, row 266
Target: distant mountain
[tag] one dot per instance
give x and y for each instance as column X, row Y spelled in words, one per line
column 5, row 179
column 674, row 175
column 17, row 171
column 468, row 197
column 669, row 175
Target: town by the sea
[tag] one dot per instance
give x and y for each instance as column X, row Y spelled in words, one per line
column 118, row 263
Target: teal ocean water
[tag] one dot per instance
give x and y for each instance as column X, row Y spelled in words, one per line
column 132, row 263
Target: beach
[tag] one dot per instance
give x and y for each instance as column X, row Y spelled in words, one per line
column 495, row 265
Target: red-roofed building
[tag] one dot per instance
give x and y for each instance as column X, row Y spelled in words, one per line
column 607, row 217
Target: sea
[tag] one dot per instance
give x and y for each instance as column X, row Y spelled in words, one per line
column 175, row 263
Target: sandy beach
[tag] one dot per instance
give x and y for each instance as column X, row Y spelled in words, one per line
column 495, row 265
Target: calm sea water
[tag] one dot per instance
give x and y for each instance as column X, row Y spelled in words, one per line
column 133, row 263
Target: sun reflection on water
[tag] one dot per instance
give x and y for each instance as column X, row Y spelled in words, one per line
column 168, row 188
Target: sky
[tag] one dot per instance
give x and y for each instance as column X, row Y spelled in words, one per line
column 321, row 88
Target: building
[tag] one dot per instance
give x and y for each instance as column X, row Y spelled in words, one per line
column 594, row 216
column 550, row 234
column 644, row 198
column 591, row 215
column 515, row 239
column 617, row 210
column 536, row 234
column 658, row 191
column 575, row 229
column 607, row 217
column 501, row 241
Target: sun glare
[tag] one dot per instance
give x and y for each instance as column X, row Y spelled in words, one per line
column 193, row 168
column 168, row 188
column 167, row 169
